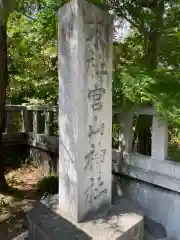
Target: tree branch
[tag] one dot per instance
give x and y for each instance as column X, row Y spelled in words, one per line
column 34, row 19
column 139, row 26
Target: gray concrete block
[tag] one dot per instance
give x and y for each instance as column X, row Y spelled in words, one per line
column 148, row 236
column 154, row 228
column 157, row 203
column 121, row 221
column 167, row 238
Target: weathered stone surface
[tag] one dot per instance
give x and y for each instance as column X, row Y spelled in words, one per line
column 157, row 203
column 165, row 174
column 159, row 148
column 121, row 221
column 167, row 238
column 85, row 118
column 45, row 161
column 44, row 142
column 23, row 236
column 156, row 229
column 148, row 236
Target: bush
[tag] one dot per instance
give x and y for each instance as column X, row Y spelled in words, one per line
column 48, row 185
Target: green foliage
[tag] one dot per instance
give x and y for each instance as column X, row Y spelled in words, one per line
column 48, row 185
column 146, row 63
column 32, row 38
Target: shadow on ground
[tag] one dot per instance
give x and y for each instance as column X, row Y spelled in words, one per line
column 15, row 203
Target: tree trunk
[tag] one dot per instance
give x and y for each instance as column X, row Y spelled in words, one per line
column 3, row 87
column 151, row 57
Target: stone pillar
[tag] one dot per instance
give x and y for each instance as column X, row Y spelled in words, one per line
column 27, row 118
column 36, row 117
column 10, row 122
column 159, row 149
column 126, row 130
column 85, row 119
column 85, row 129
column 48, row 122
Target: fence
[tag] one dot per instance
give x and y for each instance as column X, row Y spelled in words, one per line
column 38, row 123
column 153, row 181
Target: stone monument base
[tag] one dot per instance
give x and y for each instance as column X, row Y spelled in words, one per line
column 121, row 221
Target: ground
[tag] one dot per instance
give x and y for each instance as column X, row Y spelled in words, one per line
column 14, row 205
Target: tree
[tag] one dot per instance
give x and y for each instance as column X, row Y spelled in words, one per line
column 32, row 42
column 5, row 8
column 149, row 60
column 146, row 66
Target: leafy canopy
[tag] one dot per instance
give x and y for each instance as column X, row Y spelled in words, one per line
column 146, row 63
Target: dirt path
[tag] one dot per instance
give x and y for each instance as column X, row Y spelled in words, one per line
column 13, row 206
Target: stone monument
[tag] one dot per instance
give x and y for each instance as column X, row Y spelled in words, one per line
column 85, row 70
column 84, row 209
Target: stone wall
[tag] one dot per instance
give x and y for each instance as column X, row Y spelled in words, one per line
column 160, row 204
column 30, row 134
column 46, row 161
column 155, row 186
column 153, row 182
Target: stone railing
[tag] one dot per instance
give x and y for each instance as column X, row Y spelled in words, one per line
column 38, row 123
column 135, row 175
column 151, row 181
column 155, row 169
column 30, row 116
